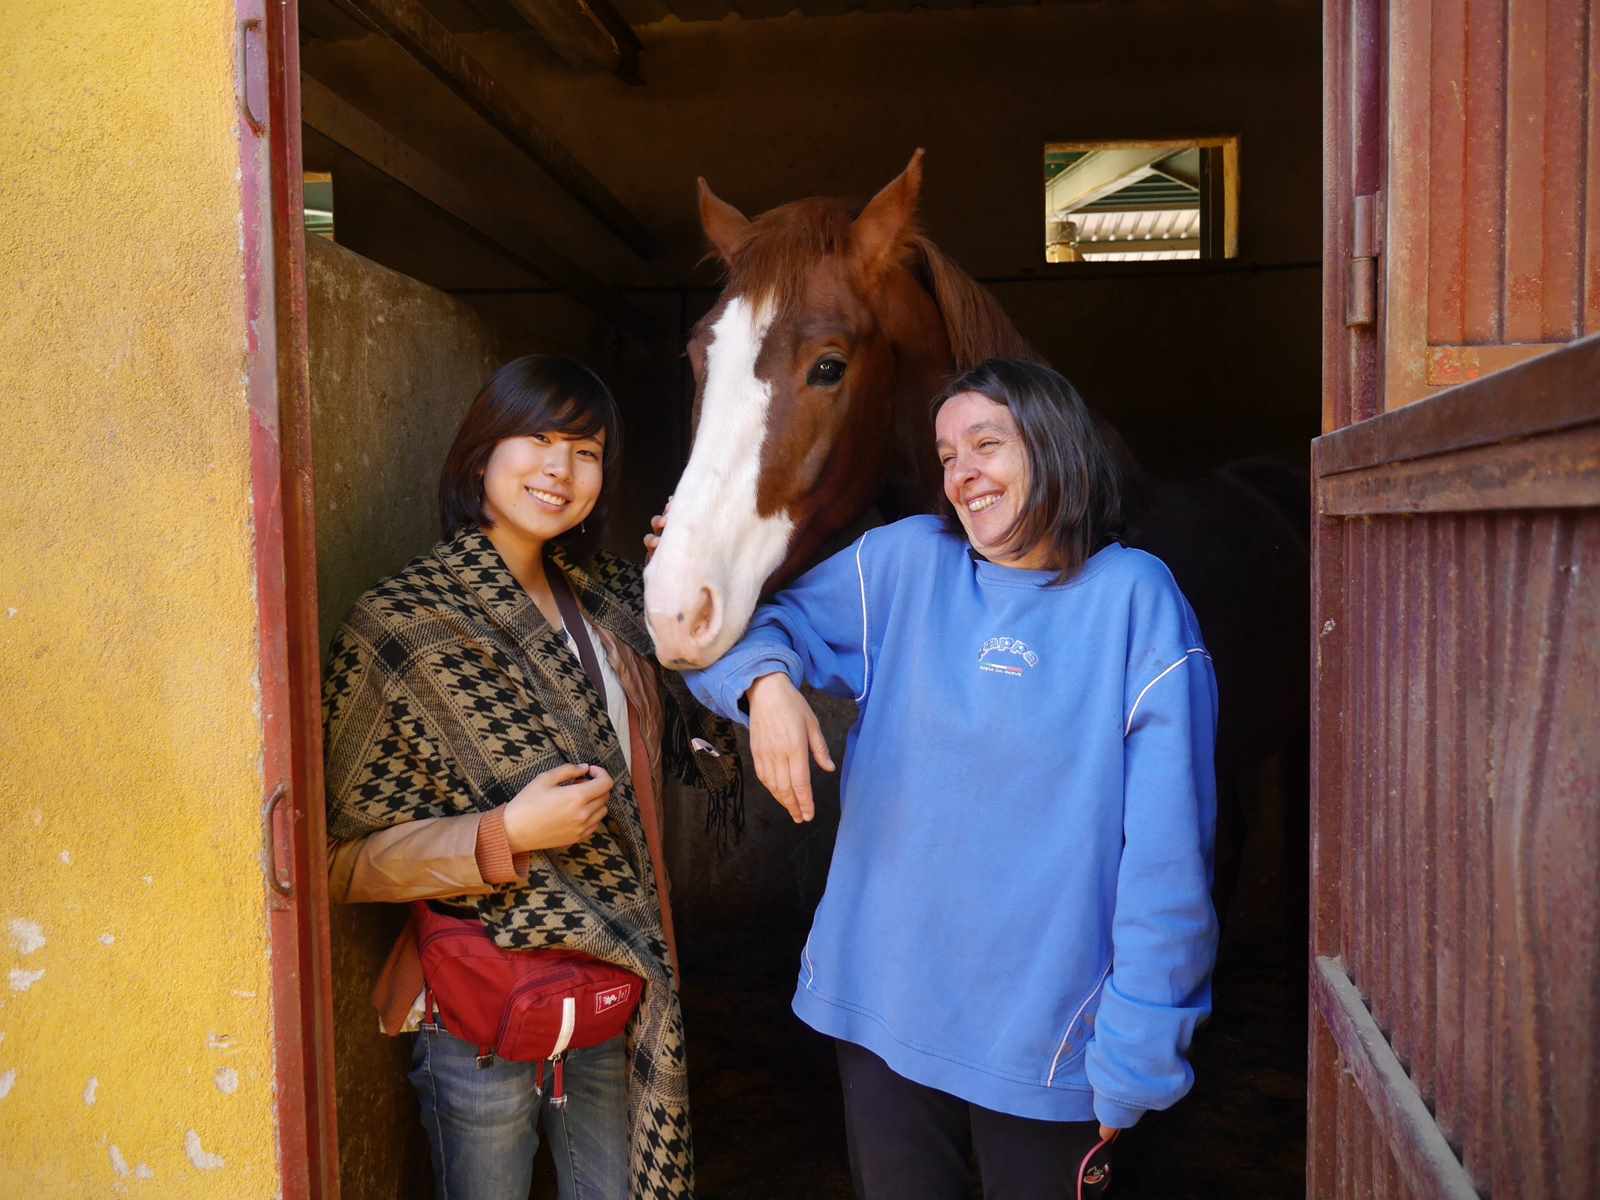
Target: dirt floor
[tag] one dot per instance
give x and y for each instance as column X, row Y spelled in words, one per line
column 767, row 1117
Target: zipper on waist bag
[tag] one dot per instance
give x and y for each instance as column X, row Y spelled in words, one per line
column 569, row 1011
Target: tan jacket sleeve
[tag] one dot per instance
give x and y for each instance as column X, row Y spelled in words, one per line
column 424, row 860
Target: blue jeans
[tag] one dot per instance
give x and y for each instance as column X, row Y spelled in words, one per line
column 483, row 1125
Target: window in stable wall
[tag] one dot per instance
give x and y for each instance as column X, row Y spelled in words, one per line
column 1141, row 201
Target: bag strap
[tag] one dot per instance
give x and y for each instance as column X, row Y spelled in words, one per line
column 573, row 620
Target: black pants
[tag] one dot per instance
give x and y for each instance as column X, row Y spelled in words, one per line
column 916, row 1142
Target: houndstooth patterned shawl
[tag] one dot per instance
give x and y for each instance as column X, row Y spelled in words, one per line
column 447, row 691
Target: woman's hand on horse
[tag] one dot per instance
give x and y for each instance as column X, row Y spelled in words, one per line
column 561, row 807
column 658, row 526
column 784, row 737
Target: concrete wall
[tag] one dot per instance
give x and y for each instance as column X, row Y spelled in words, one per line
column 393, row 366
column 135, row 1027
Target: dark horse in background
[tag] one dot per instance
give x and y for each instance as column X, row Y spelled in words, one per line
column 813, row 373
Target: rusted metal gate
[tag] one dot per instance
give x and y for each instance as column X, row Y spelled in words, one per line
column 1455, row 978
column 293, row 857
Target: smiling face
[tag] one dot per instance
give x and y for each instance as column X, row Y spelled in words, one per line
column 539, row 486
column 985, row 465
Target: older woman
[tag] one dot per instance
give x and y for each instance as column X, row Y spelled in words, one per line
column 483, row 756
column 1016, row 940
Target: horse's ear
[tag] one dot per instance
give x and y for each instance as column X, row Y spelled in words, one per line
column 884, row 224
column 724, row 224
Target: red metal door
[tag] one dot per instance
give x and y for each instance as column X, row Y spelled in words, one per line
column 294, row 851
column 1455, row 932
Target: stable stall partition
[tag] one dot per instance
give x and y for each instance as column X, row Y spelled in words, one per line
column 394, row 364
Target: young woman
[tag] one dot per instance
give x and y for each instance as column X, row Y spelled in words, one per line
column 1016, row 940
column 471, row 763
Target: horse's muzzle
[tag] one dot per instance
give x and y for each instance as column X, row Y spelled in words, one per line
column 684, row 637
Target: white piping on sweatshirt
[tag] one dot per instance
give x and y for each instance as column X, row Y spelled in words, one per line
column 1056, row 1061
column 1128, row 728
column 866, row 662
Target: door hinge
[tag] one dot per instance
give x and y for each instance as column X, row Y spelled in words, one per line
column 1361, row 272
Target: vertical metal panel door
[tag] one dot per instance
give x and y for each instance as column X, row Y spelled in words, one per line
column 294, row 844
column 1455, row 956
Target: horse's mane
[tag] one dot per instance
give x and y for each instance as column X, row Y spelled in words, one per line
column 776, row 249
column 976, row 325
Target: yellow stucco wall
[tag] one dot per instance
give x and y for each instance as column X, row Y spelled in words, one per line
column 135, row 1026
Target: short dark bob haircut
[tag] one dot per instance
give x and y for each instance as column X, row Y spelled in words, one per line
column 1074, row 502
column 538, row 393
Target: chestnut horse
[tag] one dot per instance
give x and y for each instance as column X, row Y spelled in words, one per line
column 812, row 377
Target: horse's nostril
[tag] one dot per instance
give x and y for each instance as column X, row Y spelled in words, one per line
column 706, row 619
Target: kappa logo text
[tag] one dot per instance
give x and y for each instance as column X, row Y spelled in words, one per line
column 994, row 652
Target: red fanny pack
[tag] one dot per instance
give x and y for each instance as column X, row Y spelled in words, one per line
column 519, row 1005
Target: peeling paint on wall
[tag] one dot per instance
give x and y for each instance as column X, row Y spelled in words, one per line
column 89, row 1090
column 227, row 1081
column 26, row 936
column 22, row 980
column 6, row 1080
column 198, row 1155
column 118, row 1163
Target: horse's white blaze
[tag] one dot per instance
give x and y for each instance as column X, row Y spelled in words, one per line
column 715, row 538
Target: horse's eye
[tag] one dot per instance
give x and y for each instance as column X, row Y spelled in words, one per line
column 825, row 372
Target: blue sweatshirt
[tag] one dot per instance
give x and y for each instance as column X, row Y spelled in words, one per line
column 1018, row 910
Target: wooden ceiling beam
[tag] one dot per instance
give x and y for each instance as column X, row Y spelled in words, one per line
column 341, row 122
column 587, row 34
column 422, row 36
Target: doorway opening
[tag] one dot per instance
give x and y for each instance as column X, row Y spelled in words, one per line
column 456, row 248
